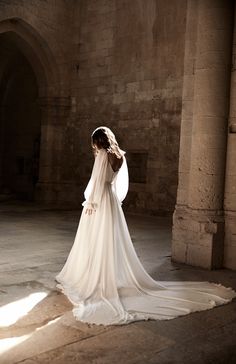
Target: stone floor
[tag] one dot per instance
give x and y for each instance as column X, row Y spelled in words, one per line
column 36, row 324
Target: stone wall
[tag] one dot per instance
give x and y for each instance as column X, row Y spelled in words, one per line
column 128, row 75
column 41, row 32
column 145, row 69
column 117, row 63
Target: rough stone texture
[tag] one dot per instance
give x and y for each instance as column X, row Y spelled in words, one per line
column 198, row 223
column 142, row 68
column 34, row 245
column 117, row 63
column 230, row 178
column 129, row 76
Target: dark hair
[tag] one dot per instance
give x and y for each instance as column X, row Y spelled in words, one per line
column 100, row 139
column 103, row 137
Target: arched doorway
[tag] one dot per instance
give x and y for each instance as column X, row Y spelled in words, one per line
column 28, row 75
column 19, row 124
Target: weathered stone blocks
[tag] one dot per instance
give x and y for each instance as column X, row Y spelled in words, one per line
column 199, row 238
column 198, row 223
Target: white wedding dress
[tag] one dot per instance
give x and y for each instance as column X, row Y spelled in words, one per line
column 103, row 276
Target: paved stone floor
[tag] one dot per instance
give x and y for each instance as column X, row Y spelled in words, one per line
column 36, row 324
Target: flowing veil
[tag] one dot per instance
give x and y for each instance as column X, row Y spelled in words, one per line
column 121, row 181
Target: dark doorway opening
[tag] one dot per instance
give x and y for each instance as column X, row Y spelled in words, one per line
column 20, row 123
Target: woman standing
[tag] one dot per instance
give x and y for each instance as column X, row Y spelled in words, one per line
column 103, row 276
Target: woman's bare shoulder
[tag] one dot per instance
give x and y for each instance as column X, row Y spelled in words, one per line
column 114, row 161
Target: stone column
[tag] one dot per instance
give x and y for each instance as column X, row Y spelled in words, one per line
column 54, row 114
column 230, row 175
column 2, row 108
column 198, row 221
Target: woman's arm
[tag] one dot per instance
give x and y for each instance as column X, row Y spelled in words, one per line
column 94, row 190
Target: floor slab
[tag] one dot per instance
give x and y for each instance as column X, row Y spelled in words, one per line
column 36, row 323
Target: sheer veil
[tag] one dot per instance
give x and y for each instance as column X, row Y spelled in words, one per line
column 121, row 181
column 94, row 190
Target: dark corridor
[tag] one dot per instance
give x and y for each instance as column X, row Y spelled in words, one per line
column 19, row 124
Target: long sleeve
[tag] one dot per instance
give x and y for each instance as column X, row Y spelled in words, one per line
column 94, row 190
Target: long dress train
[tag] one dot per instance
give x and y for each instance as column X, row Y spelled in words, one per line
column 103, row 276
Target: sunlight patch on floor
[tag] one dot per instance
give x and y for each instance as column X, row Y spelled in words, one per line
column 12, row 312
column 9, row 343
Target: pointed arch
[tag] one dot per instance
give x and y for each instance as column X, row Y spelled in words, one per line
column 37, row 52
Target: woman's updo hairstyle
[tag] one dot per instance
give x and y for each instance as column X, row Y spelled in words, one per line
column 103, row 137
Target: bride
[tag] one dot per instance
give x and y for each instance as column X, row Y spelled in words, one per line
column 103, row 276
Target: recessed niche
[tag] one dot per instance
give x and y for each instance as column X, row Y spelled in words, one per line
column 137, row 164
column 232, row 128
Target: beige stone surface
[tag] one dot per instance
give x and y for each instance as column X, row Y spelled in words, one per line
column 104, row 62
column 116, row 345
column 46, row 337
column 198, row 220
column 48, row 332
column 161, row 74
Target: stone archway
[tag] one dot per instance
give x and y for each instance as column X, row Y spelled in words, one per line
column 24, row 47
column 37, row 52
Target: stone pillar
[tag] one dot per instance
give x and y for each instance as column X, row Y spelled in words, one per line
column 198, row 221
column 2, row 108
column 230, row 175
column 54, row 114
